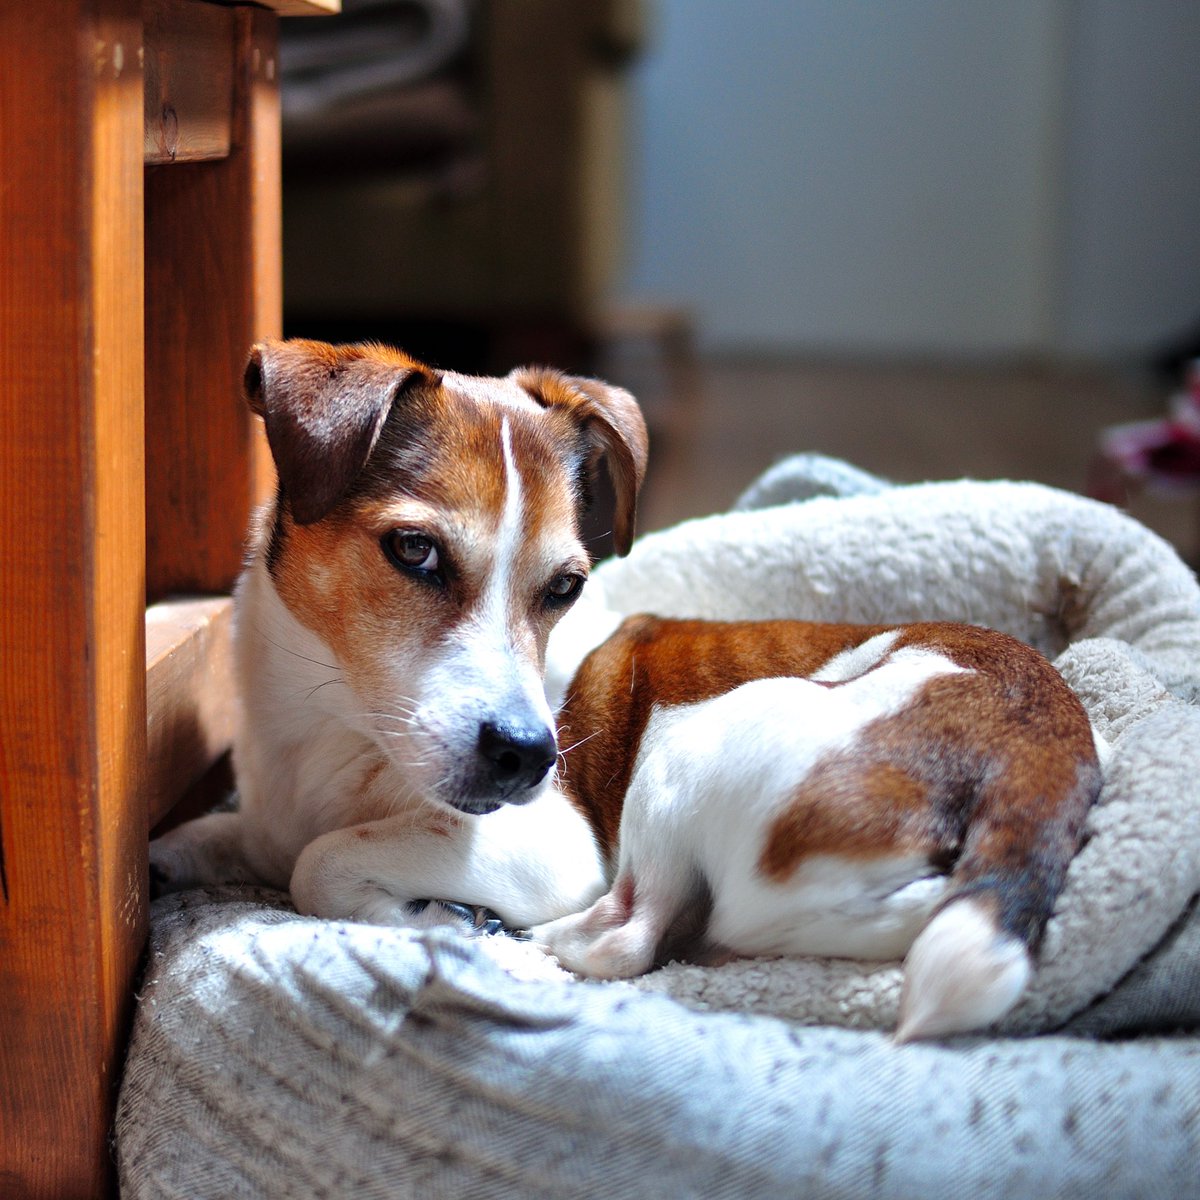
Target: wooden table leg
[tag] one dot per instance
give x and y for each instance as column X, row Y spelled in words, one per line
column 213, row 286
column 72, row 660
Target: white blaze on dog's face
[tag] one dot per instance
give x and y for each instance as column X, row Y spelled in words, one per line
column 440, row 567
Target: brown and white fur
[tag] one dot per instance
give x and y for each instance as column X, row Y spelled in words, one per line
column 774, row 787
column 788, row 787
column 391, row 627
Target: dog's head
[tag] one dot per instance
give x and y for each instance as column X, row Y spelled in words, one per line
column 426, row 529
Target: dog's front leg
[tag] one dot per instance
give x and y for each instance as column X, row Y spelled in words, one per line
column 526, row 864
column 389, row 876
column 206, row 851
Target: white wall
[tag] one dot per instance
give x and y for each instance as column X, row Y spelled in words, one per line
column 921, row 176
column 1131, row 248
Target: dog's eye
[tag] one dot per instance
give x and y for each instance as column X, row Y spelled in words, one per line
column 564, row 589
column 411, row 551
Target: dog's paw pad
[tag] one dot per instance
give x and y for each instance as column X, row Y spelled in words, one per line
column 473, row 919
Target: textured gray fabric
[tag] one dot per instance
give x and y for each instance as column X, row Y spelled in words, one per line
column 806, row 476
column 1161, row 993
column 278, row 1056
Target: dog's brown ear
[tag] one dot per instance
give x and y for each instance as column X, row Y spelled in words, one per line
column 323, row 407
column 612, row 420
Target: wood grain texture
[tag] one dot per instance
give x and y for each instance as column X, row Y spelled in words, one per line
column 303, row 8
column 73, row 502
column 188, row 87
column 212, row 289
column 190, row 695
column 72, row 719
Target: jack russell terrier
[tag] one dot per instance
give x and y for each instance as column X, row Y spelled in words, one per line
column 752, row 788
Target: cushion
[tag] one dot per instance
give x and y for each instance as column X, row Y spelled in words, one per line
column 280, row 1056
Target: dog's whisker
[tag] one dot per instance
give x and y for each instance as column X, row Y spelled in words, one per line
column 404, row 722
column 399, row 722
column 296, row 653
column 574, row 745
column 405, row 712
column 313, row 690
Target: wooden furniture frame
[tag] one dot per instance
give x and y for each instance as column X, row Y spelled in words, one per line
column 139, row 258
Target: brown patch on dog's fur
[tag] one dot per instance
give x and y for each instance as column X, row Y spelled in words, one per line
column 652, row 662
column 440, row 824
column 368, row 440
column 437, row 468
column 612, row 426
column 993, row 771
column 853, row 806
column 323, row 407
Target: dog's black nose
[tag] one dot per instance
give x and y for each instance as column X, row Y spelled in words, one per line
column 517, row 759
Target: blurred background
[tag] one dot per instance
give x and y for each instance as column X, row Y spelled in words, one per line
column 936, row 237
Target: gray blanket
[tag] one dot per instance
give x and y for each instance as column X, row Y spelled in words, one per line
column 279, row 1056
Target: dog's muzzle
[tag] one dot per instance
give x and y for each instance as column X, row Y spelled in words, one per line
column 514, row 760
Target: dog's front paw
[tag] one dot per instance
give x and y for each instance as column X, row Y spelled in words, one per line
column 199, row 853
column 172, row 868
column 473, row 919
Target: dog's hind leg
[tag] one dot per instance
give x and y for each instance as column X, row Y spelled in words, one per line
column 624, row 933
column 614, row 939
column 971, row 962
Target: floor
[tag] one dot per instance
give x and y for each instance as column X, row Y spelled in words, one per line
column 717, row 422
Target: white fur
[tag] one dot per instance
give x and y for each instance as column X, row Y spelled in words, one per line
column 857, row 660
column 322, row 760
column 708, row 780
column 960, row 974
column 525, row 862
column 508, row 536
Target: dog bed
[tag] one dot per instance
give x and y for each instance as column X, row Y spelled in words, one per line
column 277, row 1055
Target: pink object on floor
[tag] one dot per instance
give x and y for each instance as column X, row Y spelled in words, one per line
column 1161, row 455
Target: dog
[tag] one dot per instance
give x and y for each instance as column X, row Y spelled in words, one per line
column 754, row 788
column 799, row 788
column 390, row 634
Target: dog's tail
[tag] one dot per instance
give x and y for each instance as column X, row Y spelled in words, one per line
column 971, row 963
